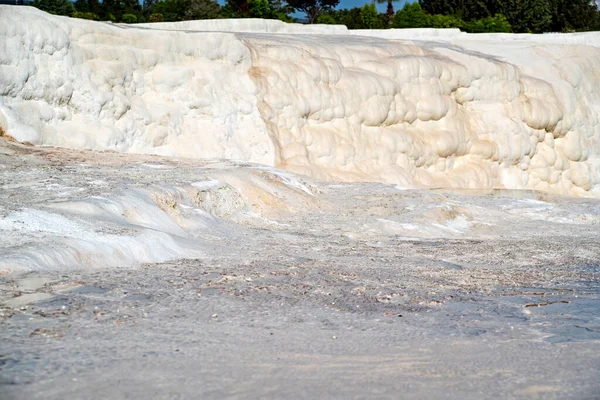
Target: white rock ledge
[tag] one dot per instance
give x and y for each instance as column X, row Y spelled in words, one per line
column 418, row 108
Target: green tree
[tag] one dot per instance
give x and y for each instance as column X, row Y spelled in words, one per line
column 349, row 17
column 527, row 15
column 107, row 10
column 282, row 10
column 201, row 9
column 171, row 10
column 130, row 7
column 261, row 9
column 446, row 21
column 268, row 9
column 81, row 6
column 522, row 15
column 577, row 15
column 596, row 23
column 312, row 8
column 94, row 7
column 326, row 19
column 156, row 17
column 148, row 6
column 58, row 7
column 129, row 18
column 368, row 14
column 85, row 15
column 237, row 8
column 445, row 7
column 183, row 10
column 389, row 10
column 411, row 16
column 497, row 23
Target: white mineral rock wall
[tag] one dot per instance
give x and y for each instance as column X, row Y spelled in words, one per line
column 74, row 83
column 419, row 108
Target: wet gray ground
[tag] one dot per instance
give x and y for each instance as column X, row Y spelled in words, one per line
column 367, row 292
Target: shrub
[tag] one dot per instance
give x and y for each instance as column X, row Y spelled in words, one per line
column 411, row 16
column 261, row 9
column 85, row 15
column 57, row 7
column 326, row 19
column 497, row 23
column 129, row 18
column 156, row 18
column 446, row 21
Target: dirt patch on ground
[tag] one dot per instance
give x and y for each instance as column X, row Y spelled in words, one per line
column 4, row 135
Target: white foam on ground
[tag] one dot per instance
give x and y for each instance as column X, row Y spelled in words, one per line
column 207, row 184
column 153, row 224
column 288, row 179
column 58, row 242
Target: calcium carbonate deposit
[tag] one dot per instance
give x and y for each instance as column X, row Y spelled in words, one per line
column 419, row 108
column 251, row 209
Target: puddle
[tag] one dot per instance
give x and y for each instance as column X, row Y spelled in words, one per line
column 33, row 283
column 138, row 297
column 29, row 298
column 87, row 289
column 449, row 265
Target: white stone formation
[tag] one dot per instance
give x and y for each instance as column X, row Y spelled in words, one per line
column 418, row 108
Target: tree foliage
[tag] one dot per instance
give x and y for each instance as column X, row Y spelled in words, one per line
column 85, row 15
column 312, row 8
column 349, row 17
column 368, row 14
column 576, row 15
column 446, row 21
column 182, row 10
column 534, row 16
column 58, row 7
column 496, row 24
column 389, row 12
column 326, row 19
column 267, row 9
column 411, row 16
column 156, row 17
column 129, row 18
column 201, row 9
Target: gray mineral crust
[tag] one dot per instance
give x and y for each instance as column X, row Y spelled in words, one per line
column 143, row 277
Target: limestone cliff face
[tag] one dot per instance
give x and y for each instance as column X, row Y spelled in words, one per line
column 414, row 107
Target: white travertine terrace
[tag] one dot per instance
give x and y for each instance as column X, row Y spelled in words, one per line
column 419, row 108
